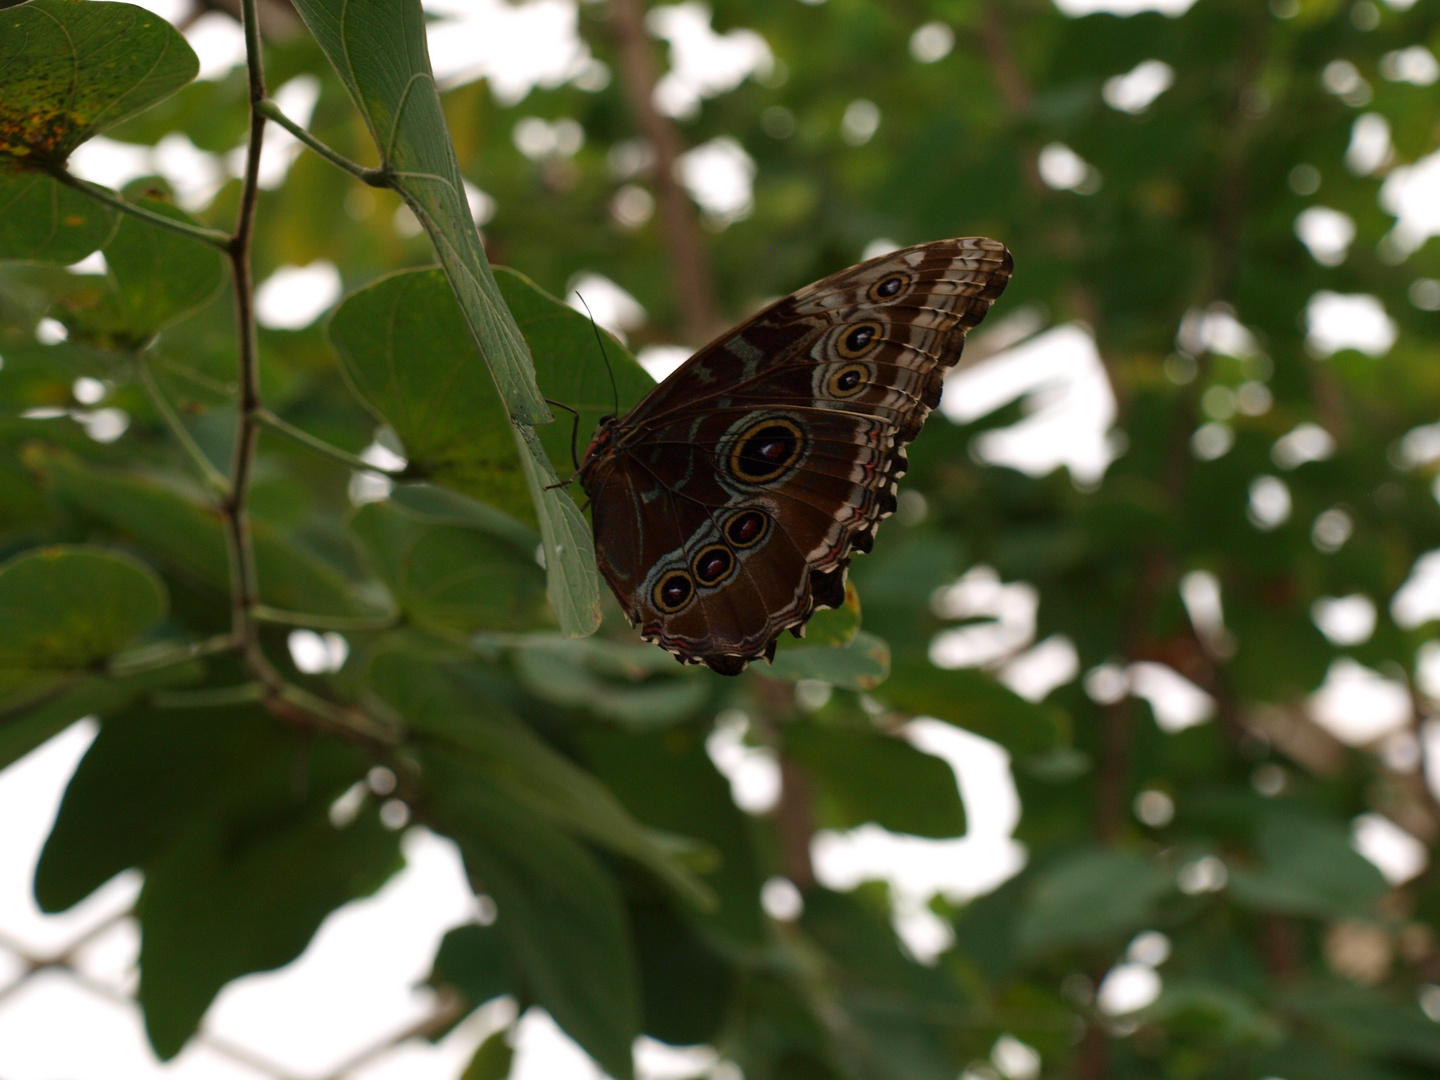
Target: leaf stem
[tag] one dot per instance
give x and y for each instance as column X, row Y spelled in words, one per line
column 209, row 695
column 162, row 655
column 214, row 478
column 214, row 237
column 357, row 623
column 377, row 177
column 320, row 446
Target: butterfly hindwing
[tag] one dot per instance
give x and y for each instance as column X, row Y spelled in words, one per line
column 727, row 504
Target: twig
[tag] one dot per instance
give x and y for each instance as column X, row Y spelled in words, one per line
column 381, row 176
column 243, row 590
column 214, row 237
column 679, row 228
column 320, row 446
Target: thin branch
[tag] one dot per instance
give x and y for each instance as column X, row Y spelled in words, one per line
column 214, row 237
column 320, row 446
column 679, row 228
column 380, row 176
column 355, row 623
column 243, row 585
column 214, row 478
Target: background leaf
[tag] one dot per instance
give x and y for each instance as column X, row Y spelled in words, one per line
column 69, row 71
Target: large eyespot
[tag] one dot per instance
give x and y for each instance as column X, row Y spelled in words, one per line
column 713, row 565
column 746, row 529
column 847, row 381
column 858, row 339
column 887, row 288
column 673, row 591
column 766, row 450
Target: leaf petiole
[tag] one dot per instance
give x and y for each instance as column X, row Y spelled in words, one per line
column 214, row 237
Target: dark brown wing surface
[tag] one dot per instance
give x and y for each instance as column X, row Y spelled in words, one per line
column 728, row 502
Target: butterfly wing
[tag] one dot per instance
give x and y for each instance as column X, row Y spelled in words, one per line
column 728, row 502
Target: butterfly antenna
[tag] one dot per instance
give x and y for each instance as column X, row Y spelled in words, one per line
column 574, row 431
column 614, row 393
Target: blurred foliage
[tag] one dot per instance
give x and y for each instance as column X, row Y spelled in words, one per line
column 573, row 773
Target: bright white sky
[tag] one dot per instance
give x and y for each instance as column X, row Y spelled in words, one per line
column 356, row 981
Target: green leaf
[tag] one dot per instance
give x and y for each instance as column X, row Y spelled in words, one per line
column 974, row 701
column 611, row 679
column 25, row 726
column 191, row 539
column 865, row 776
column 451, row 508
column 573, row 366
column 44, row 221
column 450, row 579
column 686, row 988
column 148, row 775
column 63, row 608
column 559, row 912
column 512, row 758
column 492, row 1059
column 829, row 627
column 69, row 71
column 225, row 901
column 409, row 355
column 861, row 665
column 1308, row 868
column 473, row 960
column 667, row 780
column 569, row 546
column 378, row 49
column 155, row 279
column 1094, row 896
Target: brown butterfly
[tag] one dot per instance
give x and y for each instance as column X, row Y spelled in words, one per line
column 727, row 503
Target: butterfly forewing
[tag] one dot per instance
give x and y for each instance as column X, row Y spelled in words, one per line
column 727, row 504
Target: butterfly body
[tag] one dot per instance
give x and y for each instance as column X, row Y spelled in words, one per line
column 727, row 504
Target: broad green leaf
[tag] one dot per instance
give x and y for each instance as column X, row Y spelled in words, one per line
column 378, row 49
column 43, row 221
column 147, row 776
column 863, row 664
column 473, row 960
column 829, row 627
column 492, row 1059
column 452, row 508
column 611, row 679
column 226, row 900
column 71, row 70
column 407, row 352
column 155, row 279
column 559, row 912
column 447, row 578
column 1092, row 897
column 63, row 608
column 899, row 1010
column 666, row 779
column 569, row 546
column 190, row 538
column 32, row 722
column 406, row 349
column 574, row 363
column 865, row 776
column 686, row 988
column 974, row 701
column 431, row 703
column 1308, row 868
